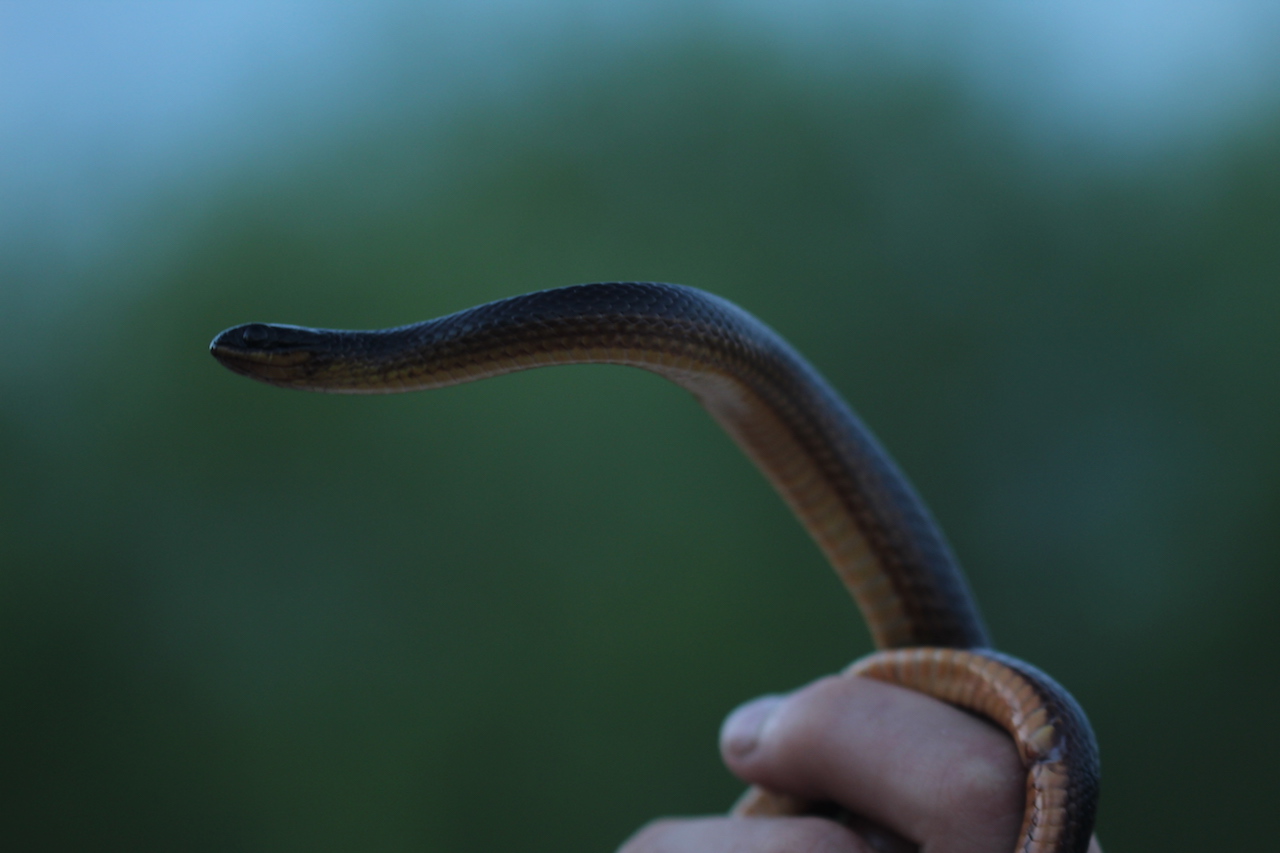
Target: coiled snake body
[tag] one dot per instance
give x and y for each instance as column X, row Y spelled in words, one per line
column 841, row 485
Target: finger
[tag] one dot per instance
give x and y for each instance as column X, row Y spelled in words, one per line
column 744, row 835
column 930, row 772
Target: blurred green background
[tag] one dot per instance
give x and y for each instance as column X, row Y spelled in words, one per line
column 512, row 615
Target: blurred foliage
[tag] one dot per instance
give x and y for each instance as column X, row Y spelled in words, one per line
column 512, row 615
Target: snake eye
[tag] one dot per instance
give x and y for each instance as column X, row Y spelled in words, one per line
column 255, row 335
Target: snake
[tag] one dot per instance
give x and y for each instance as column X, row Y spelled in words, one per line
column 828, row 467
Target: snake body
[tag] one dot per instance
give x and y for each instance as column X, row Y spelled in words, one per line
column 840, row 483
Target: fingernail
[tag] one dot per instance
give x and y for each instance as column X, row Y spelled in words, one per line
column 740, row 734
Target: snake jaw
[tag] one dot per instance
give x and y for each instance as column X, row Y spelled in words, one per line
column 265, row 365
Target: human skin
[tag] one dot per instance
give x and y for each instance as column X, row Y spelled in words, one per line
column 928, row 772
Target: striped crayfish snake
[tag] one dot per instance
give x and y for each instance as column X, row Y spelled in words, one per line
column 844, row 488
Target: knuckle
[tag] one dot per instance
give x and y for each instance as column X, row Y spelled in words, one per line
column 804, row 720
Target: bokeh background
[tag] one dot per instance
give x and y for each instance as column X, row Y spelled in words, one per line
column 1036, row 245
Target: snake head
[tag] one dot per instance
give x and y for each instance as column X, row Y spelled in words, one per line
column 273, row 353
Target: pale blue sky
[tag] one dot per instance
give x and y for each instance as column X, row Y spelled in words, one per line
column 103, row 103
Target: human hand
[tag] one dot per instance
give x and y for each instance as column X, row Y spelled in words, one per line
column 913, row 767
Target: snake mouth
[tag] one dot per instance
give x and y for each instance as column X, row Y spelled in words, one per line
column 267, row 366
